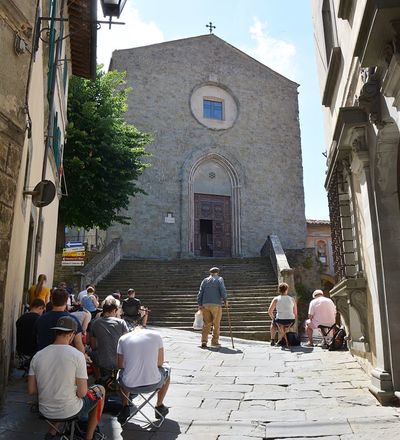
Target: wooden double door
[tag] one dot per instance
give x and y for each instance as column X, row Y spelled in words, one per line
column 212, row 225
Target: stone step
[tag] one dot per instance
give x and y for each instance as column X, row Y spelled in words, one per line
column 169, row 289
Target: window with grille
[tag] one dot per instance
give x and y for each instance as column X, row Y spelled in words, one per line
column 213, row 109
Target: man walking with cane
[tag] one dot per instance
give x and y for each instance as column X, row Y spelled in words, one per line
column 211, row 296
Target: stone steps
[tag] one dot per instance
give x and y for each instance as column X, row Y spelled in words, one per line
column 169, row 289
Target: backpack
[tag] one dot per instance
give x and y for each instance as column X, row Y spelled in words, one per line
column 337, row 342
column 293, row 339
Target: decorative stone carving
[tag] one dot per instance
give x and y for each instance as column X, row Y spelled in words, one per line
column 369, row 99
column 357, row 299
column 343, row 308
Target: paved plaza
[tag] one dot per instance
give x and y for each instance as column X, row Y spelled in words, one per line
column 251, row 392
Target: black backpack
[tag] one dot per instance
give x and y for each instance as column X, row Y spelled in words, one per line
column 293, row 339
column 337, row 342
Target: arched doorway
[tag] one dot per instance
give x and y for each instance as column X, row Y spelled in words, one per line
column 214, row 216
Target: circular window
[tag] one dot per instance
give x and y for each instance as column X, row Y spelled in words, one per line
column 214, row 106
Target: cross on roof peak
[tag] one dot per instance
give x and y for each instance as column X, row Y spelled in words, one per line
column 210, row 27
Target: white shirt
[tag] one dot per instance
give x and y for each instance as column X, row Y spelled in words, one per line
column 56, row 369
column 81, row 294
column 284, row 307
column 140, row 350
column 323, row 311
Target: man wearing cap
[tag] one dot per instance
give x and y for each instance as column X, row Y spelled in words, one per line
column 58, row 375
column 322, row 311
column 211, row 296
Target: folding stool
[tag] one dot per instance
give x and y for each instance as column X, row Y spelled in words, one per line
column 142, row 392
column 68, row 426
column 283, row 330
column 325, row 331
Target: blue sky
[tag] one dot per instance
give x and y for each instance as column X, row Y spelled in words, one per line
column 276, row 32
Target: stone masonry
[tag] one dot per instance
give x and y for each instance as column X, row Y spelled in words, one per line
column 261, row 151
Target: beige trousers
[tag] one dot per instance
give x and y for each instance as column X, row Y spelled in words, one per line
column 211, row 315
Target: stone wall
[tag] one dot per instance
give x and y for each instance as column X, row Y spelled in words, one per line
column 15, row 17
column 261, row 151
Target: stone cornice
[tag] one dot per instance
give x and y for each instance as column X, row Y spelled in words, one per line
column 347, row 132
column 376, row 31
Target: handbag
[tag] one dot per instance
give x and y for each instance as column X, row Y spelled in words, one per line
column 198, row 320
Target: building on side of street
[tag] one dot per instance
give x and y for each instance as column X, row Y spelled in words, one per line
column 319, row 238
column 226, row 167
column 358, row 57
column 41, row 44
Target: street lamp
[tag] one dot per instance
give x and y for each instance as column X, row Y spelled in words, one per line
column 112, row 8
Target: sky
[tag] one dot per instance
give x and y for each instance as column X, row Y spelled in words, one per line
column 277, row 33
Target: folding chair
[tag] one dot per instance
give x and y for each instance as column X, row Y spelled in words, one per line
column 146, row 394
column 67, row 430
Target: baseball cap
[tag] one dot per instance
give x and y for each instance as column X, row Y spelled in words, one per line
column 214, row 270
column 66, row 324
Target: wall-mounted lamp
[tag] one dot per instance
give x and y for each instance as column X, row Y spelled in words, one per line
column 112, row 8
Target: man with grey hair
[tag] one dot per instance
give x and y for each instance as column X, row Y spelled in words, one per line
column 104, row 335
column 322, row 311
column 211, row 296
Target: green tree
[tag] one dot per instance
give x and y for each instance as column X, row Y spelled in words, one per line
column 103, row 155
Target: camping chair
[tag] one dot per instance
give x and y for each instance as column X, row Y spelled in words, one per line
column 68, row 427
column 146, row 394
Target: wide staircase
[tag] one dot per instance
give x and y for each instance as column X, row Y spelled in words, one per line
column 169, row 289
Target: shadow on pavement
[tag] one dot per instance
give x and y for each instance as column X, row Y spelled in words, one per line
column 170, row 430
column 227, row 350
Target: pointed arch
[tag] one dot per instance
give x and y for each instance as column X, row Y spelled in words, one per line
column 233, row 175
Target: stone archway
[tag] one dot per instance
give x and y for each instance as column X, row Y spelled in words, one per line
column 230, row 187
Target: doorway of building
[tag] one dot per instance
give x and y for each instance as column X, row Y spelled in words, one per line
column 212, row 225
column 206, row 238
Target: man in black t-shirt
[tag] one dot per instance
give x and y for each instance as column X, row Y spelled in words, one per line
column 26, row 337
column 133, row 310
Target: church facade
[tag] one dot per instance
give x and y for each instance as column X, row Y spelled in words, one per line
column 226, row 168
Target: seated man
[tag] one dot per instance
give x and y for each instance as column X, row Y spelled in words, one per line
column 141, row 360
column 133, row 310
column 26, row 338
column 322, row 311
column 104, row 335
column 43, row 326
column 58, row 375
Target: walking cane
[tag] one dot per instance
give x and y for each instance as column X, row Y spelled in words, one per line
column 229, row 323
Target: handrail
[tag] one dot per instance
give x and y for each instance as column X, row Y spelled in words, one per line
column 273, row 249
column 102, row 264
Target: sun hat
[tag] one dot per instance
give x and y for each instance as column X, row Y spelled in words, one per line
column 317, row 292
column 214, row 270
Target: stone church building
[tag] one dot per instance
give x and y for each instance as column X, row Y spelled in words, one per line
column 226, row 168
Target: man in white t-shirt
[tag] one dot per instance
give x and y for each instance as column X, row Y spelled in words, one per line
column 140, row 359
column 58, row 375
column 321, row 311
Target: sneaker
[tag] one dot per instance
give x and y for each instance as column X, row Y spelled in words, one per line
column 124, row 415
column 162, row 409
column 272, row 342
column 203, row 345
column 216, row 345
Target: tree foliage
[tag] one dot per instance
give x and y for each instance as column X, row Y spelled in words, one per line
column 103, row 155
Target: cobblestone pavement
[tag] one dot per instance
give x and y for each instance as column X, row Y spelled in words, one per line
column 251, row 392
